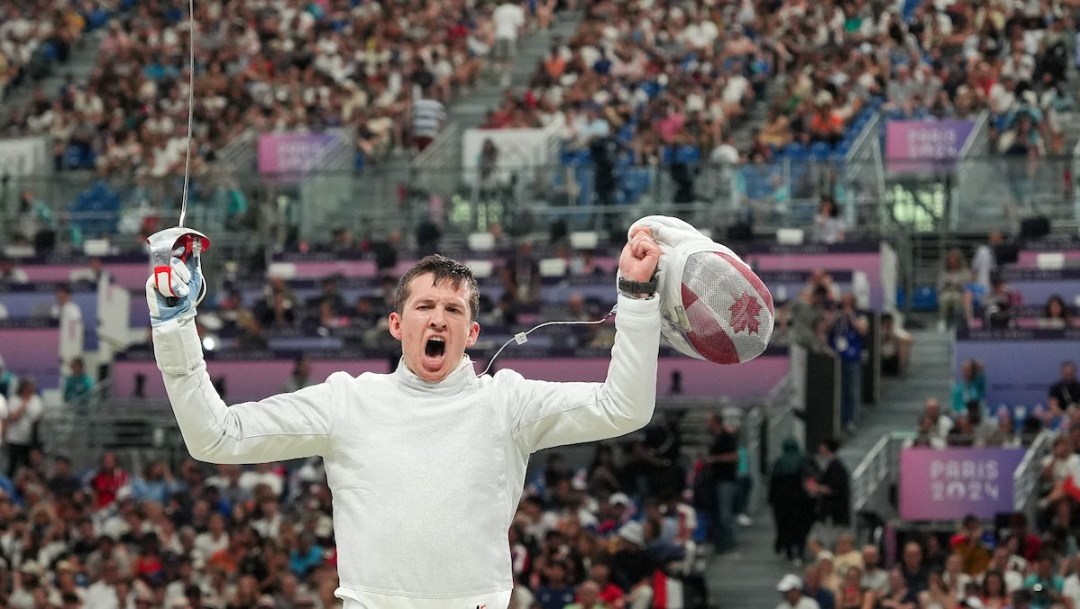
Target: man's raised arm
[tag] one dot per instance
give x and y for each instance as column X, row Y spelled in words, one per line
column 281, row 427
column 552, row 414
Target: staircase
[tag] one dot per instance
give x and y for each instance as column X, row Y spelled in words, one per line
column 470, row 111
column 81, row 62
column 747, row 578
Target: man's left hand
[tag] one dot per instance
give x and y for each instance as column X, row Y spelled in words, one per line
column 639, row 256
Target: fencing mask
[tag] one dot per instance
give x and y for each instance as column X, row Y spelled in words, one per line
column 714, row 307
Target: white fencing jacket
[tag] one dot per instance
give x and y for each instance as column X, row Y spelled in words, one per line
column 426, row 477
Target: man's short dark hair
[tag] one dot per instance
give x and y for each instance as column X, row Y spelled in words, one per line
column 442, row 268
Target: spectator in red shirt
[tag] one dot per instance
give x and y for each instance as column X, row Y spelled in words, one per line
column 108, row 481
column 610, row 594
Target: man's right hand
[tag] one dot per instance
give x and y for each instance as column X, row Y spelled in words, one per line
column 639, row 256
column 186, row 282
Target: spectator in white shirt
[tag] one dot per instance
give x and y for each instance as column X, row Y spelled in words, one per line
column 791, row 587
column 509, row 20
column 24, row 413
column 214, row 539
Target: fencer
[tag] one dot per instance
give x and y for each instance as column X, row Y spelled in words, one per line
column 427, row 463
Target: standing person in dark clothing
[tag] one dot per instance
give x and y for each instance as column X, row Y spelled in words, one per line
column 723, row 460
column 792, row 507
column 832, row 488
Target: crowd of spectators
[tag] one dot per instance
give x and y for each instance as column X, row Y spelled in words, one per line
column 653, row 75
column 357, row 308
column 653, row 83
column 977, row 295
column 35, row 35
column 969, row 419
column 1009, row 564
column 294, row 66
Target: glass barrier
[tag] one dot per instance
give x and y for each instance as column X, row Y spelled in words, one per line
column 67, row 210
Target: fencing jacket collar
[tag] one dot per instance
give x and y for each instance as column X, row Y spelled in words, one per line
column 457, row 381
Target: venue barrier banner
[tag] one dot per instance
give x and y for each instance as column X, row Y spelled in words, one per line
column 924, row 146
column 950, row 483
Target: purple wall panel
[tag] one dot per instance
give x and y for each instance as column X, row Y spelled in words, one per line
column 248, row 380
column 1028, row 258
column 33, row 352
column 1009, row 383
column 244, row 380
column 867, row 262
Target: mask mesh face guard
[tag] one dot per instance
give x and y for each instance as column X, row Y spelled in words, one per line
column 714, row 307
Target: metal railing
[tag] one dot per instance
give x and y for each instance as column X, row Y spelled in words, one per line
column 1027, row 474
column 136, row 433
column 986, row 192
column 880, row 467
column 877, row 467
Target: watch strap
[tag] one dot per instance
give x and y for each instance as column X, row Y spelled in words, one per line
column 628, row 286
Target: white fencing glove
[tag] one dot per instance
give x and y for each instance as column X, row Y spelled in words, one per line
column 185, row 281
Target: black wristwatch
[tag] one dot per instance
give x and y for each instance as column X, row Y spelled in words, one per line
column 638, row 289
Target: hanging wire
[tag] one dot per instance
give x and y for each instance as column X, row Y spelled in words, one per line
column 522, row 337
column 191, row 109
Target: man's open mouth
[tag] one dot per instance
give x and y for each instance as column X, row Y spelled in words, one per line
column 435, row 347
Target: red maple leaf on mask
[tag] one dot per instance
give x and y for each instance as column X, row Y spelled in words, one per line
column 744, row 313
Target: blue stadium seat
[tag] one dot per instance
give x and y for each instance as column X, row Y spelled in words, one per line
column 795, row 150
column 820, row 151
column 49, row 51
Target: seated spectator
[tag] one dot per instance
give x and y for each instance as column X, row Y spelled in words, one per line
column 609, row 594
column 1058, row 468
column 875, row 580
column 971, row 546
column 965, row 432
column 942, row 423
column 939, row 595
column 826, row 569
column 776, row 132
column 791, row 589
column 1071, row 589
column 1004, row 434
column 825, row 124
column 829, row 227
column 10, row 273
column 994, row 594
column 300, row 376
column 927, row 434
column 1066, row 391
column 156, row 484
column 36, row 223
column 951, row 285
column 1055, row 314
column 970, row 390
column 588, row 597
column 814, row 588
column 899, row 595
column 896, row 346
column 329, row 294
column 1044, row 584
column 78, row 386
column 999, row 303
column 852, row 595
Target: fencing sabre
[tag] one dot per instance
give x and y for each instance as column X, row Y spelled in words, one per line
column 179, row 241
